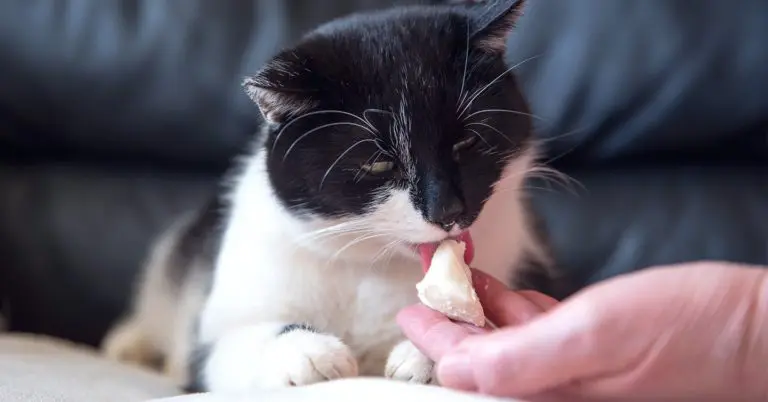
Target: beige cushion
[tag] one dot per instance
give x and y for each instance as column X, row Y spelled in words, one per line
column 36, row 369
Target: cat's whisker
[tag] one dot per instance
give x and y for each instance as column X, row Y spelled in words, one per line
column 373, row 110
column 517, row 112
column 491, row 152
column 545, row 173
column 564, row 153
column 490, row 84
column 559, row 137
column 344, row 228
column 343, row 154
column 380, row 111
column 330, row 231
column 337, row 228
column 355, row 241
column 553, row 175
column 462, row 93
column 327, row 237
column 315, row 113
column 324, row 126
column 496, row 130
column 509, row 181
column 390, row 251
column 388, row 248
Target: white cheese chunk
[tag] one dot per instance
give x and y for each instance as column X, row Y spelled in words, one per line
column 447, row 285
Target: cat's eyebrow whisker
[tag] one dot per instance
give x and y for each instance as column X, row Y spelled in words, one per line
column 343, row 154
column 462, row 94
column 324, row 126
column 317, row 112
column 494, row 81
column 480, row 91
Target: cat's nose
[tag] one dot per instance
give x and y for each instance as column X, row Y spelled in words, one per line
column 447, row 214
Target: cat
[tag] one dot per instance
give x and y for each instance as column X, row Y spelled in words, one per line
column 383, row 131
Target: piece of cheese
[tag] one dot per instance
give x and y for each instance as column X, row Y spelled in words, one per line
column 447, row 285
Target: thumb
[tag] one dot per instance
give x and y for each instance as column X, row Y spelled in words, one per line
column 549, row 352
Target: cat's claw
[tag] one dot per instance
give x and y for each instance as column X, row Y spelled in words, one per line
column 304, row 357
column 407, row 363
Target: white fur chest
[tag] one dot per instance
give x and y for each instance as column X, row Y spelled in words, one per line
column 272, row 282
column 265, row 273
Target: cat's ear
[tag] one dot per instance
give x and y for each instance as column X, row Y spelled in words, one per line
column 493, row 25
column 277, row 90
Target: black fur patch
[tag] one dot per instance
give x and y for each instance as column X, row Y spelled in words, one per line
column 198, row 242
column 197, row 361
column 393, row 86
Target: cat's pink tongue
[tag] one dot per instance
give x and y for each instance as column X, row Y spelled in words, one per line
column 427, row 250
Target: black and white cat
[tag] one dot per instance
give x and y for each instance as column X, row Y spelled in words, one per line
column 384, row 131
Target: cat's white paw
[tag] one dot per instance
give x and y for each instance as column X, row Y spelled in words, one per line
column 304, row 357
column 128, row 343
column 407, row 363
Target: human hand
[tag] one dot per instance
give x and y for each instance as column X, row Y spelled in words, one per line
column 697, row 331
column 436, row 335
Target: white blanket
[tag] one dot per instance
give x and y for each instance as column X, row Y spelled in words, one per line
column 35, row 369
column 352, row 390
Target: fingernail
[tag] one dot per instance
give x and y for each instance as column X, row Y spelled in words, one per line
column 455, row 371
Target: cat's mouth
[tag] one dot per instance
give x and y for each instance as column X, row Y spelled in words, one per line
column 427, row 250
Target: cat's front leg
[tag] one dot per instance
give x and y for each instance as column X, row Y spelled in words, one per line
column 407, row 363
column 273, row 355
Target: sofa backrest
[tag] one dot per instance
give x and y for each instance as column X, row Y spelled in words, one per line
column 160, row 81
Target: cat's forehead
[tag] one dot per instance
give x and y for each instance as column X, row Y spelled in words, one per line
column 396, row 51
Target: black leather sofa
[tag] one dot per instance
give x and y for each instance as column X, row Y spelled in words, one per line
column 116, row 115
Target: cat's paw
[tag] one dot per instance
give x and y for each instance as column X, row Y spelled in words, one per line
column 407, row 363
column 128, row 343
column 303, row 357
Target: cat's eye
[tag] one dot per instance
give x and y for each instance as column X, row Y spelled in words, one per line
column 378, row 168
column 465, row 143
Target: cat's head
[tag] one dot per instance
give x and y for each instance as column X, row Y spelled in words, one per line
column 402, row 120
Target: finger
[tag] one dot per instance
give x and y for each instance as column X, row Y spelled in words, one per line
column 544, row 354
column 501, row 305
column 431, row 332
column 544, row 302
